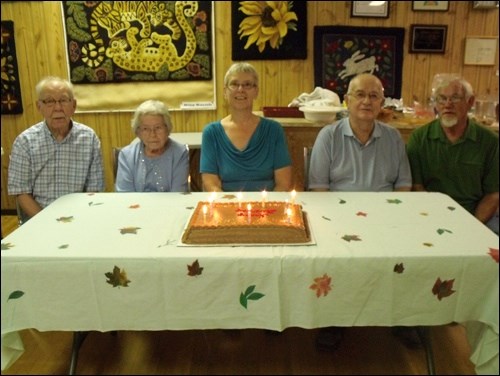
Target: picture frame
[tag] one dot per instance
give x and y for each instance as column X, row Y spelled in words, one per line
column 480, row 50
column 430, row 39
column 341, row 52
column 431, row 6
column 365, row 9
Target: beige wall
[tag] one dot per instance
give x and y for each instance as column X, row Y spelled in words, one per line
column 41, row 51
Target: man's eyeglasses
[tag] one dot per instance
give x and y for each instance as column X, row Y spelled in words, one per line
column 233, row 86
column 149, row 131
column 361, row 96
column 52, row 102
column 443, row 99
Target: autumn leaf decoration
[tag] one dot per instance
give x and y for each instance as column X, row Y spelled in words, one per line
column 194, row 269
column 441, row 231
column 65, row 219
column 399, row 268
column 249, row 294
column 348, row 238
column 394, row 201
column 322, row 285
column 443, row 288
column 129, row 230
column 494, row 254
column 117, row 277
column 6, row 246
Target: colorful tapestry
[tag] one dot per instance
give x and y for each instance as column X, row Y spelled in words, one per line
column 269, row 30
column 130, row 41
column 11, row 90
column 341, row 52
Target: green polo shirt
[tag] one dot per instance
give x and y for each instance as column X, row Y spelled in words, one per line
column 466, row 170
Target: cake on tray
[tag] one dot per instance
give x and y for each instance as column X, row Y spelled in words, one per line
column 272, row 222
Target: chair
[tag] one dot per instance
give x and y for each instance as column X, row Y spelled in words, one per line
column 307, row 162
column 116, row 152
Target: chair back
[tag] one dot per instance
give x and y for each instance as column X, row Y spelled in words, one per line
column 116, row 152
column 307, row 162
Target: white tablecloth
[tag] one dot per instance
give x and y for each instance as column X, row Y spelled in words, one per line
column 111, row 261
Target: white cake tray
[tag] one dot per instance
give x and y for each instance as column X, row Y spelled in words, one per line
column 310, row 242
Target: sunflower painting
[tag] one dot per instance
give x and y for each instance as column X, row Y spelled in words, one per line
column 269, row 30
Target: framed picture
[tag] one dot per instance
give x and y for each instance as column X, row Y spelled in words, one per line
column 253, row 39
column 430, row 39
column 440, row 6
column 342, row 52
column 480, row 50
column 368, row 9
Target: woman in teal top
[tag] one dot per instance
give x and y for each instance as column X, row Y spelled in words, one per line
column 243, row 151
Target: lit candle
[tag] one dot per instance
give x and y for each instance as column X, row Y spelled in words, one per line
column 264, row 195
column 204, row 213
column 293, row 194
column 289, row 214
column 249, row 211
column 240, row 196
column 211, row 200
column 286, row 205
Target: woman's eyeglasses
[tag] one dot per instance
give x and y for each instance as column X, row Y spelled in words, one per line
column 233, row 86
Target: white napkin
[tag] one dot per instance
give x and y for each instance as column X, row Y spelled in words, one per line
column 319, row 97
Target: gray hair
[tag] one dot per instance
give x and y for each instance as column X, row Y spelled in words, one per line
column 442, row 80
column 241, row 68
column 47, row 81
column 151, row 107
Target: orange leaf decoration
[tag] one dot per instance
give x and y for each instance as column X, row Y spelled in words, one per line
column 135, row 206
column 494, row 254
column 322, row 285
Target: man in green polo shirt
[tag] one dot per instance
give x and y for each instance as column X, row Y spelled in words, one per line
column 455, row 155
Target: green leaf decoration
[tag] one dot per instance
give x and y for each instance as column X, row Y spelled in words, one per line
column 451, row 208
column 6, row 246
column 428, row 244
column 65, row 219
column 441, row 231
column 63, row 246
column 342, row 201
column 394, row 201
column 249, row 294
column 328, row 219
column 91, row 203
column 348, row 238
column 15, row 294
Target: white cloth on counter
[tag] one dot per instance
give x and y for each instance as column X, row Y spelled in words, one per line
column 319, row 97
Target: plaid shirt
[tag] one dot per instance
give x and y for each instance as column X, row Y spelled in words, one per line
column 48, row 169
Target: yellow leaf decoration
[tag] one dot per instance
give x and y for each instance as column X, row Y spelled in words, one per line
column 117, row 277
column 129, row 230
column 65, row 219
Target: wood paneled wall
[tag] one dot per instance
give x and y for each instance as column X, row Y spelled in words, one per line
column 41, row 51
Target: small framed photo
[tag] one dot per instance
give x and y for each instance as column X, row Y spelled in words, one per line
column 440, row 6
column 430, row 39
column 480, row 50
column 369, row 9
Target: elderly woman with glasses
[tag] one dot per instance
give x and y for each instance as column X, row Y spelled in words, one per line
column 155, row 163
column 455, row 155
column 243, row 151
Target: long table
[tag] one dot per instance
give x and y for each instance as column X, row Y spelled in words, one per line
column 113, row 261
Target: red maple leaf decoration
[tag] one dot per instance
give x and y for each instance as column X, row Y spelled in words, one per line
column 494, row 254
column 443, row 288
column 322, row 285
column 194, row 269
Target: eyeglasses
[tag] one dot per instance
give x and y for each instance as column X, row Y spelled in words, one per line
column 361, row 96
column 52, row 102
column 149, row 131
column 233, row 86
column 443, row 99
